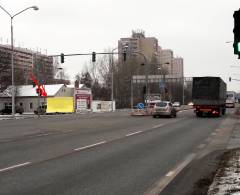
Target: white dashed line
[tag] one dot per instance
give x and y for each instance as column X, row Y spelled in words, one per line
column 15, row 166
column 208, row 139
column 170, row 173
column 201, row 146
column 90, row 146
column 133, row 133
column 157, row 126
column 213, row 133
column 41, row 135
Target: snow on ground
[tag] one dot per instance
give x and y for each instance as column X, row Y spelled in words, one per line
column 227, row 178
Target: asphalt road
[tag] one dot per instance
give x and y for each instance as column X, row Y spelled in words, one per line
column 98, row 153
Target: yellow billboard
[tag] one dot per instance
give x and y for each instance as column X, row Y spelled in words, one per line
column 60, row 104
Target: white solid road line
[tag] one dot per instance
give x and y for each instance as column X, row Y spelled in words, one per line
column 90, row 146
column 133, row 133
column 164, row 181
column 15, row 166
column 157, row 126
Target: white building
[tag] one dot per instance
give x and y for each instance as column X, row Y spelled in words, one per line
column 27, row 97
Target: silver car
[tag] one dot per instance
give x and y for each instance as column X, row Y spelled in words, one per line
column 164, row 108
column 177, row 105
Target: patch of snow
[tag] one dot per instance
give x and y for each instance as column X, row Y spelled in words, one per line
column 30, row 91
column 227, row 179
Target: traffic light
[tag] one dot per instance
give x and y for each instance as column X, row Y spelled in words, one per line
column 144, row 89
column 62, row 58
column 124, row 56
column 230, row 79
column 166, row 90
column 93, row 56
column 236, row 32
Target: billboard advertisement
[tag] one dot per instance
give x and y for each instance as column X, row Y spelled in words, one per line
column 83, row 99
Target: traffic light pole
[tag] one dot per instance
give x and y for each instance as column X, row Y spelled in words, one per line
column 93, row 54
column 38, row 100
column 236, row 33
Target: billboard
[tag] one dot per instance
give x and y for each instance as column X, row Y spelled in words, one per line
column 83, row 99
column 60, row 104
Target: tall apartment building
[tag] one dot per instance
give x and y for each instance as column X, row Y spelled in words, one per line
column 148, row 46
column 174, row 66
column 177, row 65
column 25, row 62
column 165, row 59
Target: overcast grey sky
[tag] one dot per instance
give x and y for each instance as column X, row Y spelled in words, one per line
column 195, row 30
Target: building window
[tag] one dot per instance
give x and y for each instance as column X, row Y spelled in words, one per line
column 31, row 105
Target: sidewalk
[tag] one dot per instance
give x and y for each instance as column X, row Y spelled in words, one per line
column 227, row 177
column 17, row 116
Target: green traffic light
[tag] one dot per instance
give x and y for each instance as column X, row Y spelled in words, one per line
column 238, row 46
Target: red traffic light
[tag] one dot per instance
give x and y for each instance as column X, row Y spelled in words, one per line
column 93, row 56
column 62, row 58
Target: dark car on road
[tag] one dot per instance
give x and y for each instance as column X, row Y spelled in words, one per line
column 8, row 110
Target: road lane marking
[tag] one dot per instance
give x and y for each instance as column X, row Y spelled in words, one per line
column 208, row 139
column 201, row 146
column 157, row 126
column 164, row 181
column 44, row 134
column 170, row 173
column 15, row 166
column 133, row 133
column 90, row 146
column 184, row 110
column 213, row 133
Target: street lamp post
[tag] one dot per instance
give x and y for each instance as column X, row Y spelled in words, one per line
column 146, row 71
column 112, row 65
column 12, row 51
column 183, row 94
column 162, row 71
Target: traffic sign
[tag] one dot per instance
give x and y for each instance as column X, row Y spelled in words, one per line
column 140, row 106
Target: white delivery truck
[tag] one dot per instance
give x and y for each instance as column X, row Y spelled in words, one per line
column 231, row 98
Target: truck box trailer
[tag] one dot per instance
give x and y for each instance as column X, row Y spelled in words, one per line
column 209, row 96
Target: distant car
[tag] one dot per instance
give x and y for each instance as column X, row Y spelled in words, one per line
column 230, row 103
column 177, row 105
column 164, row 108
column 190, row 103
column 8, row 110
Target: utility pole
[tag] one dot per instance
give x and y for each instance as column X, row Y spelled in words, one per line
column 131, row 93
column 112, row 72
column 183, row 91
column 38, row 100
